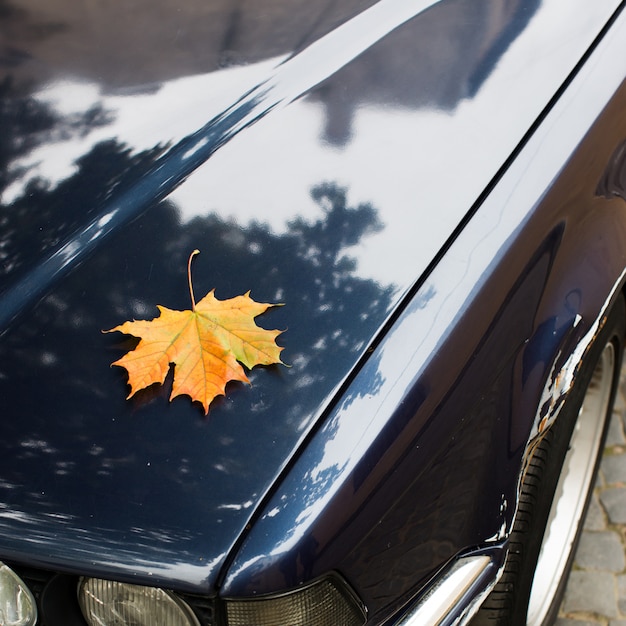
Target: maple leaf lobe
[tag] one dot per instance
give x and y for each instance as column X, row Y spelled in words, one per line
column 206, row 345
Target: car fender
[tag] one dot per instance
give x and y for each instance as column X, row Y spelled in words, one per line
column 532, row 272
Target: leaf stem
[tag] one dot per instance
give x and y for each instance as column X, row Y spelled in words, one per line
column 193, row 300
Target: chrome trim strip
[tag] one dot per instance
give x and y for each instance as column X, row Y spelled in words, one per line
column 447, row 592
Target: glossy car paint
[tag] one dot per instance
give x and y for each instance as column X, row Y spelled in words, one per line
column 532, row 285
column 439, row 366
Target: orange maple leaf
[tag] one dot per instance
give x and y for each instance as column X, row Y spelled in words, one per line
column 206, row 345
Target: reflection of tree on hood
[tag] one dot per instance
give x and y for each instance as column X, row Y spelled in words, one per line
column 41, row 218
column 329, row 317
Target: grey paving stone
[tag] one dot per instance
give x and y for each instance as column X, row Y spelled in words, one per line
column 593, row 592
column 564, row 621
column 614, row 469
column 601, row 551
column 621, row 590
column 617, row 622
column 614, row 503
column 595, row 519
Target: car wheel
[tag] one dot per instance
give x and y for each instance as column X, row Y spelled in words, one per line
column 556, row 489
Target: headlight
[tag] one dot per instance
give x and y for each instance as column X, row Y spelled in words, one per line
column 110, row 603
column 17, row 605
column 327, row 602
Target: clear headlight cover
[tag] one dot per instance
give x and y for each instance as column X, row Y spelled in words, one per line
column 17, row 605
column 327, row 602
column 110, row 603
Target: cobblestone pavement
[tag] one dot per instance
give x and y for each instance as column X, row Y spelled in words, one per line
column 596, row 591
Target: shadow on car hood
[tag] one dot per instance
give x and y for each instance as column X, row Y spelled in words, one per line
column 310, row 198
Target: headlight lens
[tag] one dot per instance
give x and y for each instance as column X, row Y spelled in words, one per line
column 110, row 603
column 17, row 605
column 327, row 602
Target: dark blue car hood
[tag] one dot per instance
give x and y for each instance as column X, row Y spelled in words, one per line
column 316, row 194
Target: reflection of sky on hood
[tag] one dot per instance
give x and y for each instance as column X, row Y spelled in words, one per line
column 425, row 166
column 137, row 118
column 173, row 564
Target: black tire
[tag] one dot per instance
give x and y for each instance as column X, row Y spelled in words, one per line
column 562, row 468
